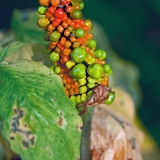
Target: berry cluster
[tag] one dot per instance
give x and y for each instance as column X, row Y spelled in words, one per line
column 72, row 48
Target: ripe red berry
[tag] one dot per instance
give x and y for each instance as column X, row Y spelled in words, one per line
column 59, row 13
column 65, row 2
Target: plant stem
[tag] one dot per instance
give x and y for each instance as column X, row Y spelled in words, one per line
column 86, row 132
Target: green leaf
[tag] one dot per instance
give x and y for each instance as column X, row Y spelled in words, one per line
column 24, row 25
column 10, row 49
column 38, row 120
column 31, row 51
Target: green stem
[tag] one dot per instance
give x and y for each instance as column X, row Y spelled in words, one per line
column 86, row 132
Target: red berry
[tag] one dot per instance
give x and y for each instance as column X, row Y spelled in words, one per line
column 55, row 23
column 69, row 9
column 58, row 20
column 51, row 10
column 59, row 13
column 65, row 2
column 65, row 17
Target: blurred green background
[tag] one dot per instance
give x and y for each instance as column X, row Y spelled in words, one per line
column 133, row 29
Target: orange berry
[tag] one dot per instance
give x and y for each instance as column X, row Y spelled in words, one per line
column 61, row 75
column 72, row 24
column 76, row 44
column 50, row 28
column 69, row 9
column 85, row 27
column 103, row 62
column 60, row 28
column 62, row 55
column 59, row 45
column 76, row 91
column 66, row 51
column 65, row 59
column 52, row 19
column 62, row 48
column 67, row 44
column 68, row 21
column 62, row 41
column 64, row 24
column 72, row 39
column 57, row 50
column 71, row 92
column 77, row 25
column 44, row 2
column 54, row 43
column 80, row 40
column 87, row 49
column 67, row 32
column 67, row 85
column 55, row 3
column 51, row 46
column 64, row 80
column 69, row 80
column 72, row 85
column 89, row 36
column 48, row 15
column 76, row 84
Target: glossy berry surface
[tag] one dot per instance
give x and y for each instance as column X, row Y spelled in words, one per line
column 54, row 36
column 78, row 71
column 79, row 33
column 78, row 55
column 95, row 71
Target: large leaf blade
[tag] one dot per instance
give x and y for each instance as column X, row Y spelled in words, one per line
column 10, row 49
column 38, row 119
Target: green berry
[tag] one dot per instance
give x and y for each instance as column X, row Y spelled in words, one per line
column 91, row 80
column 76, row 14
column 70, row 64
column 78, row 71
column 101, row 54
column 82, row 89
column 91, row 61
column 54, row 57
column 91, row 43
column 52, row 68
column 111, row 98
column 95, row 71
column 54, row 36
column 73, row 99
column 42, row 10
column 82, row 81
column 88, row 23
column 78, row 99
column 57, row 70
column 79, row 32
column 78, row 55
column 43, row 22
column 107, row 69
column 91, row 85
column 83, row 97
column 81, row 5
